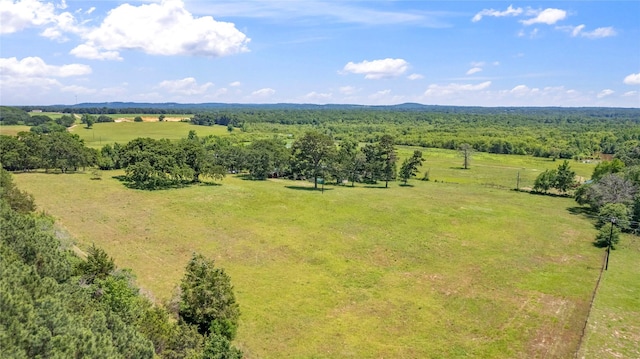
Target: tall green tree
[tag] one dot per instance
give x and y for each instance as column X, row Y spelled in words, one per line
column 388, row 158
column 207, row 299
column 410, row 166
column 311, row 154
column 565, row 177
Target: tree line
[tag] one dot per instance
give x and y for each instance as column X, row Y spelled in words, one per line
column 150, row 163
column 576, row 133
column 55, row 304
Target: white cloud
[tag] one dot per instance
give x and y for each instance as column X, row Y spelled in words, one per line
column 165, row 28
column 474, row 70
column 511, row 11
column 547, row 16
column 36, row 67
column 598, row 33
column 235, row 84
column 87, row 52
column 378, row 69
column 522, row 90
column 440, row 90
column 187, row 86
column 413, row 77
column 631, row 93
column 22, row 14
column 605, row 93
column 265, row 92
column 29, row 80
column 633, row 79
column 91, row 9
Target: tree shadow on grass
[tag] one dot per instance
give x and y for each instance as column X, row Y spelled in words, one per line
column 311, row 189
column 406, row 185
column 582, row 211
column 155, row 186
column 207, row 184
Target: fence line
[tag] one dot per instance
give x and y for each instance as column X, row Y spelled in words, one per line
column 593, row 298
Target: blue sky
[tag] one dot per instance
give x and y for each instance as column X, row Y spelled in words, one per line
column 476, row 53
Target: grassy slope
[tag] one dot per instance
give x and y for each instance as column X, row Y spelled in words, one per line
column 438, row 270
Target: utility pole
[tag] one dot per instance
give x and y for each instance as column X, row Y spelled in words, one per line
column 518, row 182
column 606, row 265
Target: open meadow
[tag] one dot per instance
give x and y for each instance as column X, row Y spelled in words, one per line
column 101, row 134
column 461, row 267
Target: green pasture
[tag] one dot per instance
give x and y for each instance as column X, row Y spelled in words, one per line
column 491, row 170
column 12, row 130
column 104, row 133
column 614, row 324
column 462, row 267
column 53, row 115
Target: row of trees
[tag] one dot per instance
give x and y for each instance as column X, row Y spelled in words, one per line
column 150, row 163
column 55, row 304
column 56, row 150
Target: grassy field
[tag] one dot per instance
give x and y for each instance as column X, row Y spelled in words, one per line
column 614, row 324
column 122, row 132
column 461, row 267
column 13, row 130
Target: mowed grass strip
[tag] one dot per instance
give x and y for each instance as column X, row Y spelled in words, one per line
column 436, row 270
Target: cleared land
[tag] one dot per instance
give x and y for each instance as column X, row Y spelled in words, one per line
column 460, row 268
column 122, row 132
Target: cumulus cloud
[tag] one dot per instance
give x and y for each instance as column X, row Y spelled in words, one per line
column 187, row 86
column 29, row 79
column 413, row 77
column 439, row 90
column 265, row 92
column 22, row 14
column 165, row 28
column 36, row 67
column 19, row 15
column 511, row 11
column 605, row 93
column 235, row 84
column 547, row 16
column 632, row 79
column 378, row 69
